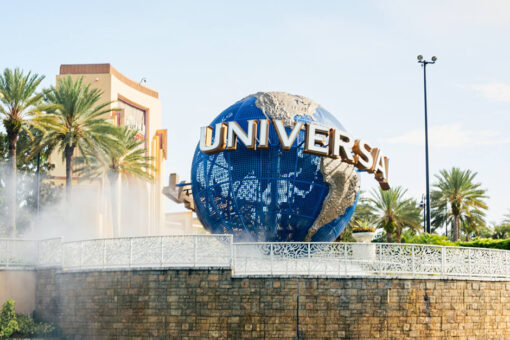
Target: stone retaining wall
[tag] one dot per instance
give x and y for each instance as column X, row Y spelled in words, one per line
column 193, row 304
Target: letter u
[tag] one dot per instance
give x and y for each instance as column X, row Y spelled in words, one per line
column 207, row 144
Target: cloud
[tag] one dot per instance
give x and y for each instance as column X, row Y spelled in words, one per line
column 452, row 136
column 499, row 92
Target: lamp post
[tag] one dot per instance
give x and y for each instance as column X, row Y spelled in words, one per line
column 422, row 206
column 424, row 64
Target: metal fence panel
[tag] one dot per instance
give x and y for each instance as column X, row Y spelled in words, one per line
column 260, row 259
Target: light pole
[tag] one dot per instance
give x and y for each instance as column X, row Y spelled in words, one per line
column 422, row 206
column 424, row 64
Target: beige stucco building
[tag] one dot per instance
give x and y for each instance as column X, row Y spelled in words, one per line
column 141, row 204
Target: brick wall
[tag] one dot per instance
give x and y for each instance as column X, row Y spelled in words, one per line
column 189, row 304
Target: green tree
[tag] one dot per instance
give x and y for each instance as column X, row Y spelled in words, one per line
column 79, row 123
column 473, row 224
column 506, row 218
column 394, row 212
column 129, row 161
column 458, row 201
column 26, row 182
column 21, row 107
column 501, row 231
column 363, row 216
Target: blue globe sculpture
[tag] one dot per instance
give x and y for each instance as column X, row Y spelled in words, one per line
column 272, row 194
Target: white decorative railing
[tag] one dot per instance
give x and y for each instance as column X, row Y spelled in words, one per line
column 18, row 253
column 260, row 259
column 369, row 259
column 154, row 252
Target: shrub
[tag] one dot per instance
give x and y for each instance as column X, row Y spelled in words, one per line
column 28, row 326
column 8, row 323
column 13, row 324
column 443, row 241
column 430, row 239
column 486, row 243
column 363, row 230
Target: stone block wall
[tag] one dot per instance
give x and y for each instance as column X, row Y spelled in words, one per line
column 206, row 304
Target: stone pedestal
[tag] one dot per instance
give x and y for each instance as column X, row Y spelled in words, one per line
column 364, row 251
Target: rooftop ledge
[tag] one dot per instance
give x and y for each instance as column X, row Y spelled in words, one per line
column 106, row 69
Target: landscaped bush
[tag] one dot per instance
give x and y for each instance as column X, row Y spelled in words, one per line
column 20, row 325
column 443, row 241
column 8, row 323
column 430, row 239
column 486, row 243
column 28, row 326
column 363, row 230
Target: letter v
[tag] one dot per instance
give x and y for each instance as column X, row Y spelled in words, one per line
column 286, row 141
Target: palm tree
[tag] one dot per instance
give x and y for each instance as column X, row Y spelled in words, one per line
column 473, row 223
column 507, row 218
column 455, row 188
column 21, row 108
column 394, row 212
column 79, row 123
column 363, row 216
column 130, row 161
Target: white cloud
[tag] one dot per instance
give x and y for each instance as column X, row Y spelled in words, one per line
column 493, row 91
column 452, row 136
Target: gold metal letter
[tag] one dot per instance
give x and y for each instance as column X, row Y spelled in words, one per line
column 340, row 145
column 263, row 134
column 207, row 146
column 363, row 158
column 249, row 138
column 315, row 139
column 286, row 141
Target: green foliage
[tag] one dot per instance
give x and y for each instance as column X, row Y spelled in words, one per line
column 28, row 326
column 507, row 218
column 362, row 217
column 363, row 230
column 78, row 118
column 8, row 323
column 20, row 103
column 128, row 160
column 458, row 201
column 443, row 241
column 430, row 239
column 20, row 325
column 78, row 123
column 21, row 110
column 486, row 243
column 26, row 194
column 394, row 212
column 501, row 231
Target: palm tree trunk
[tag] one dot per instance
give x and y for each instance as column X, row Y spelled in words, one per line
column 388, row 237
column 456, row 228
column 113, row 177
column 68, row 153
column 12, row 139
column 399, row 237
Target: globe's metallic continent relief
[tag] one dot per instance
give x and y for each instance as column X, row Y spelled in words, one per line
column 273, row 194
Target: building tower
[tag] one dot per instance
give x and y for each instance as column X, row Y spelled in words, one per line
column 141, row 203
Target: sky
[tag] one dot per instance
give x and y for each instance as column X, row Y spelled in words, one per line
column 357, row 59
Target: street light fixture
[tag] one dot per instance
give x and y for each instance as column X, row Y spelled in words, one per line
column 424, row 64
column 422, row 206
